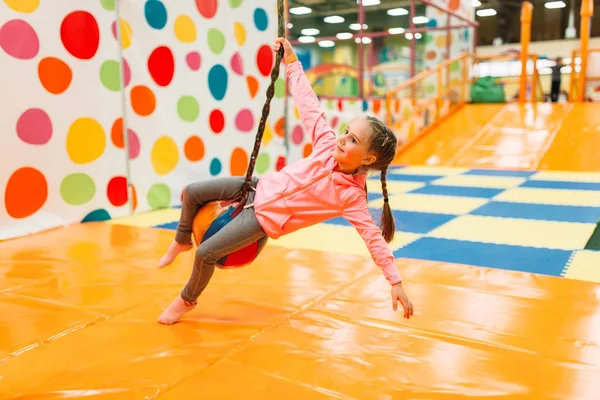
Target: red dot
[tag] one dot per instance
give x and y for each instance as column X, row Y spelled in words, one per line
column 208, row 8
column 340, row 105
column 280, row 163
column 80, row 34
column 217, row 121
column 264, row 60
column 26, row 192
column 116, row 191
column 161, row 65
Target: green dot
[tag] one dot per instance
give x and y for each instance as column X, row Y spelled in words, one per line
column 262, row 163
column 77, row 189
column 109, row 75
column 216, row 40
column 455, row 66
column 188, row 108
column 235, row 3
column 159, row 196
column 108, row 5
column 431, row 89
column 329, row 104
column 279, row 88
column 343, row 127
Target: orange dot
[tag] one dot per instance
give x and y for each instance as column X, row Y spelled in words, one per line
column 134, row 197
column 252, row 85
column 26, row 192
column 376, row 106
column 239, row 162
column 194, row 148
column 279, row 127
column 307, row 150
column 116, row 133
column 55, row 75
column 143, row 100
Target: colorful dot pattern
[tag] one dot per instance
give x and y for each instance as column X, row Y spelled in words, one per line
column 193, row 75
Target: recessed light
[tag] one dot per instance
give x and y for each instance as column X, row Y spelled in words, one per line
column 326, row 43
column 300, row 10
column 334, row 19
column 306, row 39
column 394, row 12
column 344, row 35
column 310, row 31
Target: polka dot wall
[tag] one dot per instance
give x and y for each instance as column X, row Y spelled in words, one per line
column 199, row 74
column 194, row 77
column 59, row 79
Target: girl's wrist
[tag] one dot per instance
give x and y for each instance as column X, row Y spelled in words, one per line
column 290, row 59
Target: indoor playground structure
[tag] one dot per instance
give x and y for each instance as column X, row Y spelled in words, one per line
column 111, row 107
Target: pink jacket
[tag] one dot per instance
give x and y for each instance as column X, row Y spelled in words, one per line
column 310, row 191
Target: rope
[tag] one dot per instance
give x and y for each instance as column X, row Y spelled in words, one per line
column 265, row 112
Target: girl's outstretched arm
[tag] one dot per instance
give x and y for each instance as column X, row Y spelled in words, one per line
column 309, row 107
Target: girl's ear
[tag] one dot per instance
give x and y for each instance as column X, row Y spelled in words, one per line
column 369, row 159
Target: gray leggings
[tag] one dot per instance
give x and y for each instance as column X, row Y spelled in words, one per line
column 240, row 232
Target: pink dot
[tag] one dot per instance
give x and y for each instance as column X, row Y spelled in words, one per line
column 244, row 121
column 297, row 135
column 193, row 60
column 18, row 39
column 34, row 126
column 126, row 72
column 334, row 122
column 237, row 64
column 134, row 144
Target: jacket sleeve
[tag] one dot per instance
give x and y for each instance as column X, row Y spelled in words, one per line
column 357, row 213
column 309, row 107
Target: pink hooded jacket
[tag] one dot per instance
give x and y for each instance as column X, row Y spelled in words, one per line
column 311, row 191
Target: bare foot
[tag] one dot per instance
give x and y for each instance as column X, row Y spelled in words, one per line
column 174, row 250
column 175, row 311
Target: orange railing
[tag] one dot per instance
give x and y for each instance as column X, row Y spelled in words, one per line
column 579, row 80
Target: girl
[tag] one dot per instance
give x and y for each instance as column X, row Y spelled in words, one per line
column 330, row 183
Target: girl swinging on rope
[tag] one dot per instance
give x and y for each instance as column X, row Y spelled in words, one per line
column 330, row 183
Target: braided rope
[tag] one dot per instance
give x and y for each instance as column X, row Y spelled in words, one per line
column 265, row 112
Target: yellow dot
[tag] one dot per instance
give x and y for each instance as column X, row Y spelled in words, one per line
column 23, row 6
column 296, row 112
column 240, row 33
column 165, row 155
column 440, row 42
column 185, row 30
column 86, row 141
column 268, row 135
column 126, row 34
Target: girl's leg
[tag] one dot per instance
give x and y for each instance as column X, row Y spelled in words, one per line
column 240, row 232
column 195, row 195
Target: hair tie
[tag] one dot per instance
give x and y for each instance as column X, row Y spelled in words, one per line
column 386, row 200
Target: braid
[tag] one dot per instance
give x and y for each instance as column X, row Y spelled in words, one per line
column 387, row 224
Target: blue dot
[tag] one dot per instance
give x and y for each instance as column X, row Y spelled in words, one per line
column 261, row 20
column 365, row 105
column 156, row 14
column 432, row 23
column 97, row 215
column 217, row 81
column 215, row 167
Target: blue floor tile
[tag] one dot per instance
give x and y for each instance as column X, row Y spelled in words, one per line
column 413, row 177
column 561, row 185
column 499, row 172
column 407, row 221
column 169, row 225
column 460, row 191
column 544, row 212
column 515, row 258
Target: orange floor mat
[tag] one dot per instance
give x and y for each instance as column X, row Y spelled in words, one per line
column 78, row 308
column 542, row 136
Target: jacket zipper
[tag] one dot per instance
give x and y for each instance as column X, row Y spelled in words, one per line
column 304, row 185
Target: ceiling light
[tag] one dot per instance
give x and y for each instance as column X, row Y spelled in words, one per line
column 289, row 25
column 555, row 4
column 306, row 39
column 310, row 31
column 409, row 36
column 476, row 3
column 326, row 43
column 344, row 35
column 356, row 27
column 334, row 19
column 394, row 12
column 395, row 31
column 420, row 20
column 366, row 40
column 300, row 10
column 418, row 35
column 368, row 3
column 486, row 12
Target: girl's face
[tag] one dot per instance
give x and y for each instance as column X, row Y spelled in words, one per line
column 352, row 149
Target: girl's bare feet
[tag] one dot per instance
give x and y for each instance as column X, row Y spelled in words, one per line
column 175, row 311
column 174, row 250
